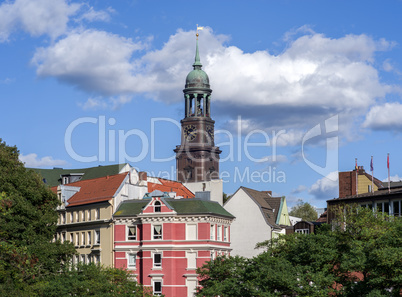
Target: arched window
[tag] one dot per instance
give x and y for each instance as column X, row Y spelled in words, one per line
column 157, row 206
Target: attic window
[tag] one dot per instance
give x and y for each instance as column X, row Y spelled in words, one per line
column 157, row 206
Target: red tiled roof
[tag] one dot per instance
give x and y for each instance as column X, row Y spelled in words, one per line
column 170, row 186
column 96, row 190
column 323, row 217
column 54, row 189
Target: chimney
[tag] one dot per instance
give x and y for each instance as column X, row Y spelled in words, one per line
column 143, row 175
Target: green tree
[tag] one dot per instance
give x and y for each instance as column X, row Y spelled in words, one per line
column 28, row 223
column 225, row 197
column 304, row 210
column 362, row 256
column 90, row 280
column 224, row 276
column 31, row 262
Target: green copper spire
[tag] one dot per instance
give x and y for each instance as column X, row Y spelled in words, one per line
column 197, row 78
column 197, row 64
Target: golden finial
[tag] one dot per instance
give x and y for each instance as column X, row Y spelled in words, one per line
column 198, row 28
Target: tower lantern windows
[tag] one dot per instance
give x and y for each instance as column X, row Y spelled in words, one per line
column 197, row 105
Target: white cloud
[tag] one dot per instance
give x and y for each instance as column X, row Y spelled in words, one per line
column 96, row 15
column 326, row 187
column 32, row 160
column 299, row 189
column 394, row 178
column 105, row 103
column 95, row 61
column 314, row 78
column 7, row 81
column 384, row 117
column 36, row 17
column 274, row 159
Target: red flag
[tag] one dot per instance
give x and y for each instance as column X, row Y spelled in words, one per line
column 389, row 175
column 388, row 161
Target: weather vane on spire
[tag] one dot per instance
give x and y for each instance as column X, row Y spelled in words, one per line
column 198, row 28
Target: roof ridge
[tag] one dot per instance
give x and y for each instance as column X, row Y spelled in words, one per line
column 92, row 179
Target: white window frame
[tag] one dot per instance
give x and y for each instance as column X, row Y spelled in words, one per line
column 97, row 214
column 302, row 231
column 225, row 233
column 97, row 237
column 219, row 233
column 154, row 263
column 153, row 286
column 72, row 238
column 157, row 236
column 66, row 180
column 83, row 238
column 131, row 237
column 212, row 232
column 157, row 206
column 89, row 235
column 399, row 202
column 89, row 214
column 131, row 256
column 382, row 206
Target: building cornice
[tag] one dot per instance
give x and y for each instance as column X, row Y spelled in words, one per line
column 172, row 219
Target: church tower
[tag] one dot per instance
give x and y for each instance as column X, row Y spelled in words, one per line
column 197, row 157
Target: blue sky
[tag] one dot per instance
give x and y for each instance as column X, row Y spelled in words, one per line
column 300, row 88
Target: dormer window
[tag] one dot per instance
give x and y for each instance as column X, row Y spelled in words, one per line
column 157, row 206
column 65, row 180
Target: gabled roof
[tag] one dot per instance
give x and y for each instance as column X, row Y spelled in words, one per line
column 170, row 186
column 96, row 190
column 260, row 197
column 276, row 204
column 52, row 176
column 180, row 206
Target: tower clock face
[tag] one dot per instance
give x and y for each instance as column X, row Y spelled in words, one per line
column 190, row 132
column 210, row 131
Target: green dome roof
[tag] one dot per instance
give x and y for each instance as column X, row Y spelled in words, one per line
column 197, row 78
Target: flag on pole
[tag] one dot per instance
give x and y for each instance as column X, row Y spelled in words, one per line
column 389, row 176
column 372, row 175
column 388, row 161
column 357, row 177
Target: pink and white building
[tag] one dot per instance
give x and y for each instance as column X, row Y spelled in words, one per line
column 163, row 240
